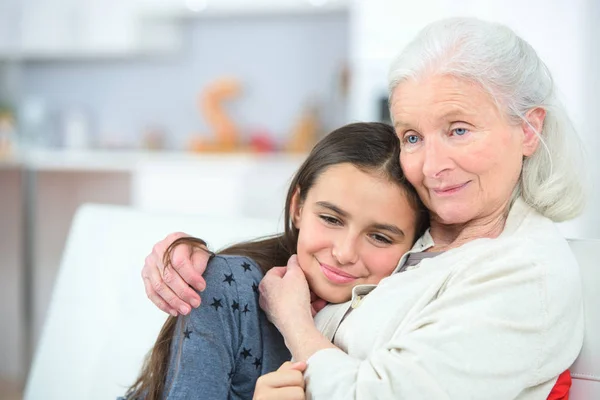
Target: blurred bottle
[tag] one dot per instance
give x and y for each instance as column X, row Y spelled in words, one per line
column 153, row 138
column 75, row 130
column 34, row 124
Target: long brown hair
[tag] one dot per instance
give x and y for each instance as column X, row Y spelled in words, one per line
column 371, row 147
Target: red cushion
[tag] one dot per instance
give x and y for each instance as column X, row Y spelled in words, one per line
column 560, row 391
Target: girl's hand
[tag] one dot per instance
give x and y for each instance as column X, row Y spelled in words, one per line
column 287, row 383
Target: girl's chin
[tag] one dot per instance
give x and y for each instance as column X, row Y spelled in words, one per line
column 332, row 295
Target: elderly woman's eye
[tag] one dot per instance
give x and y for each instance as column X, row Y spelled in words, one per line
column 460, row 131
column 412, row 139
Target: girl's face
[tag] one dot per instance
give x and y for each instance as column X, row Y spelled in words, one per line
column 354, row 228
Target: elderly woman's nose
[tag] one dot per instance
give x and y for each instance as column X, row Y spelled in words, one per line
column 436, row 158
column 345, row 249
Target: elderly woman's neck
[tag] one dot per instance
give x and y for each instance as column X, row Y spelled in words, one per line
column 447, row 237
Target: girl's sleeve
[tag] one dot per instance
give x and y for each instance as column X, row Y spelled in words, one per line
column 218, row 348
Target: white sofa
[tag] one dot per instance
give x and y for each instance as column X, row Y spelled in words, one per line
column 100, row 324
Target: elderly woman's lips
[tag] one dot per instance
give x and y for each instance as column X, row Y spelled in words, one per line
column 449, row 190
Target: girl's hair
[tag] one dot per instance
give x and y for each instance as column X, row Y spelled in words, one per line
column 371, row 147
column 509, row 70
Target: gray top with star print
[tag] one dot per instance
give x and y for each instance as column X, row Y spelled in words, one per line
column 222, row 347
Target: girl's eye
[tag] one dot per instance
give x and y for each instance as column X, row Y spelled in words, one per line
column 330, row 220
column 460, row 131
column 381, row 239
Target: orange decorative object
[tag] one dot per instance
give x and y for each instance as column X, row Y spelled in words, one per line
column 210, row 105
column 304, row 133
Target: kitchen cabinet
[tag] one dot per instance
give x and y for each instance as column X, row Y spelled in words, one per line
column 73, row 27
column 216, row 8
column 63, row 29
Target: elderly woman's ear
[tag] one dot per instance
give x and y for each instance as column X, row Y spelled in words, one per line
column 532, row 129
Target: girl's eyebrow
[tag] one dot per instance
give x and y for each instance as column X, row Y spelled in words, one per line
column 333, row 208
column 384, row 227
column 390, row 228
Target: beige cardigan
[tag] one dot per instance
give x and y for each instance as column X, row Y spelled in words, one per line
column 493, row 319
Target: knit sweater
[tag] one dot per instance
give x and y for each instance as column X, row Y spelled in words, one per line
column 492, row 319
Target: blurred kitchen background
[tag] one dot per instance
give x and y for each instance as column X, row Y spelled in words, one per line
column 153, row 103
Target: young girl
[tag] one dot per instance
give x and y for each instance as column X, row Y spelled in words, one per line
column 350, row 217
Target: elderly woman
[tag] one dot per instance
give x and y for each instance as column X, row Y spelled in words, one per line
column 487, row 304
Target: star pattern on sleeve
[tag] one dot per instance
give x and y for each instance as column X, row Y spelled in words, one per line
column 246, row 353
column 257, row 362
column 187, row 333
column 246, row 309
column 229, row 279
column 235, row 306
column 255, row 287
column 246, row 266
column 216, row 304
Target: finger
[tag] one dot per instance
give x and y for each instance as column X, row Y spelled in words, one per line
column 277, row 271
column 159, row 249
column 158, row 285
column 179, row 286
column 286, row 365
column 183, row 260
column 271, row 279
column 299, row 366
column 264, row 305
column 291, row 393
column 293, row 266
column 293, row 261
column 286, row 393
column 199, row 260
column 279, row 379
column 150, row 273
column 190, row 263
column 157, row 300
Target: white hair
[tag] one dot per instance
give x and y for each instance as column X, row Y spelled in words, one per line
column 509, row 69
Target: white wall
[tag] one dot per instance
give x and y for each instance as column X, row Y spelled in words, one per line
column 283, row 62
column 563, row 32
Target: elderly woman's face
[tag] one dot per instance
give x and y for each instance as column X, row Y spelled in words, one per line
column 461, row 154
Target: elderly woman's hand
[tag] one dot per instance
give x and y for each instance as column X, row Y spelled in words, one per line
column 169, row 286
column 285, row 296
